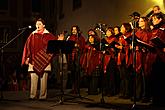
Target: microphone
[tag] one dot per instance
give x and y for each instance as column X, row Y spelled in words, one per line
column 162, row 29
column 28, row 27
column 101, row 24
column 67, row 38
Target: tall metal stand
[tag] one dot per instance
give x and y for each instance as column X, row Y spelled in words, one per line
column 102, row 102
column 2, row 63
column 78, row 79
column 62, row 47
column 134, row 65
column 101, row 66
column 2, row 75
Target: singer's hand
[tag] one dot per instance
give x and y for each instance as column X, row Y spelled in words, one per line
column 130, row 47
column 143, row 50
column 151, row 27
column 61, row 37
column 27, row 61
column 163, row 49
column 118, row 46
column 76, row 45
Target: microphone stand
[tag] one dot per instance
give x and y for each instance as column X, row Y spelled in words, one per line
column 101, row 66
column 134, row 64
column 77, row 75
column 102, row 73
column 2, row 67
column 102, row 101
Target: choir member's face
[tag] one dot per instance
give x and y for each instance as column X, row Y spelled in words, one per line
column 108, row 33
column 122, row 29
column 74, row 30
column 156, row 10
column 155, row 20
column 91, row 33
column 40, row 26
column 116, row 31
column 91, row 39
column 141, row 23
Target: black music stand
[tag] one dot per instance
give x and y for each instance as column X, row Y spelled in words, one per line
column 133, row 40
column 61, row 47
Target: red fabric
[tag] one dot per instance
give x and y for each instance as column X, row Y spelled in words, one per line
column 128, row 53
column 151, row 56
column 121, row 54
column 80, row 42
column 110, row 39
column 90, row 59
column 34, row 44
column 106, row 61
column 144, row 36
column 160, row 33
column 138, row 61
column 109, row 51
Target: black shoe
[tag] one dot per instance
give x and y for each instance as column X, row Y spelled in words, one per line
column 121, row 96
column 42, row 99
column 73, row 92
column 146, row 100
column 135, row 99
column 126, row 97
column 32, row 99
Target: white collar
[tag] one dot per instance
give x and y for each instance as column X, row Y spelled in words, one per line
column 45, row 31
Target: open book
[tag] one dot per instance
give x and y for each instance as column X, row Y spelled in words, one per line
column 144, row 44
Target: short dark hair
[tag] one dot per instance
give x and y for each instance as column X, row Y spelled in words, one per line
column 77, row 27
column 156, row 6
column 42, row 20
column 110, row 29
column 135, row 14
column 93, row 31
column 127, row 27
column 118, row 27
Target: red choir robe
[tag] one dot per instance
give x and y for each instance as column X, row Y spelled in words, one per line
column 128, row 52
column 124, row 54
column 144, row 36
column 158, row 52
column 35, row 44
column 90, row 59
column 160, row 33
column 109, row 51
column 158, row 63
column 80, row 44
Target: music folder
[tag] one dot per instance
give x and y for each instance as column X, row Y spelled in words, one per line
column 144, row 44
column 158, row 42
column 55, row 46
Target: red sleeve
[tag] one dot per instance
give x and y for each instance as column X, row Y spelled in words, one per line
column 26, row 51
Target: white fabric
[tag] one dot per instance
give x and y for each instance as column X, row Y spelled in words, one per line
column 43, row 86
column 30, row 69
column 64, row 58
column 34, row 83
